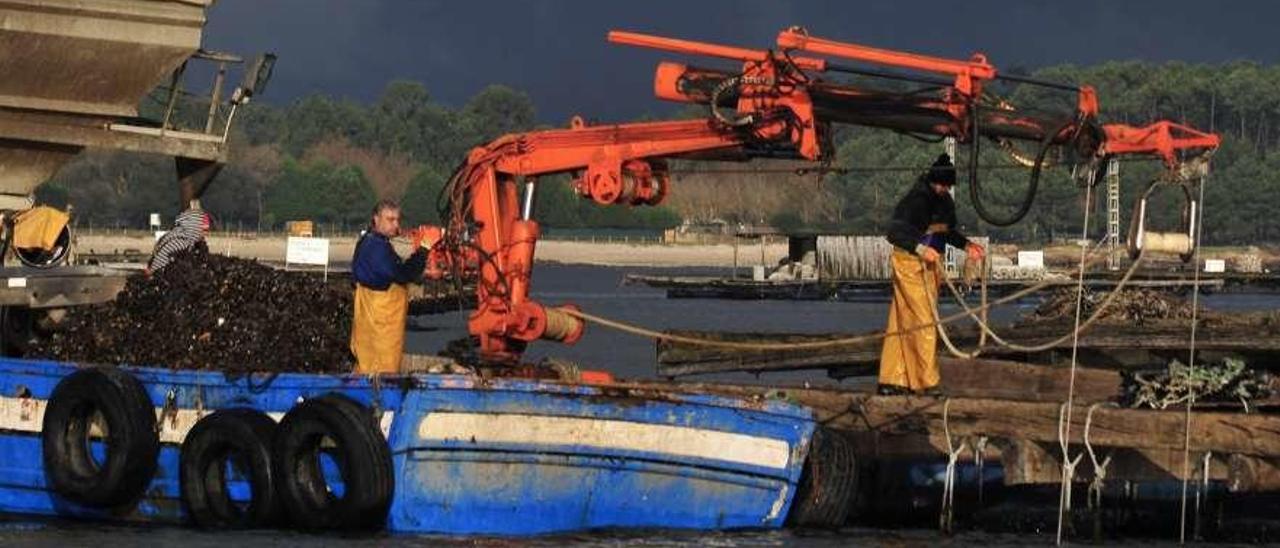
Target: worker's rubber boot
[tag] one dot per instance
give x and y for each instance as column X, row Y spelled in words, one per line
column 892, row 390
column 934, row 391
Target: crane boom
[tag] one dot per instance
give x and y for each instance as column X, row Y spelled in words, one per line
column 776, row 104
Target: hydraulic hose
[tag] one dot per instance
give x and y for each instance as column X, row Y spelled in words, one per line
column 975, row 188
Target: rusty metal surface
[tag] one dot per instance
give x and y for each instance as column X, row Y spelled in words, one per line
column 56, row 288
column 71, row 67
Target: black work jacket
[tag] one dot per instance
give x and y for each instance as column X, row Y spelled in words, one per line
column 914, row 214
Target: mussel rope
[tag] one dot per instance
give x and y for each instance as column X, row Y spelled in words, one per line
column 1191, row 364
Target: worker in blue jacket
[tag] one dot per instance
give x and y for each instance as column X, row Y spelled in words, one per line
column 381, row 299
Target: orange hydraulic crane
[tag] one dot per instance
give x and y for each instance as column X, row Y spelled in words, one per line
column 776, row 105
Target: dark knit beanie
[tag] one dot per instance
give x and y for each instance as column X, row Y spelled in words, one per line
column 942, row 170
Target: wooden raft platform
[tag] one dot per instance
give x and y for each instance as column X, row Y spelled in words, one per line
column 1016, row 411
column 715, row 287
column 1110, row 344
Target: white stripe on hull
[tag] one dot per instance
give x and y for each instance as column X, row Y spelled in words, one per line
column 27, row 415
column 682, row 441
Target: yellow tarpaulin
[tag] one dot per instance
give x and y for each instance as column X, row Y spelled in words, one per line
column 909, row 359
column 38, row 228
column 377, row 332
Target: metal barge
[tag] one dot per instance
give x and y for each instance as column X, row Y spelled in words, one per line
column 453, row 454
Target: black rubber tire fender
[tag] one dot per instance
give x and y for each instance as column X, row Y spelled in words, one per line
column 243, row 436
column 349, row 433
column 825, row 495
column 132, row 442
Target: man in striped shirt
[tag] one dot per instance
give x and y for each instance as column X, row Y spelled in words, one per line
column 189, row 230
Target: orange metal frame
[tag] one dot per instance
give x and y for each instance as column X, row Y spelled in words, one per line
column 625, row 163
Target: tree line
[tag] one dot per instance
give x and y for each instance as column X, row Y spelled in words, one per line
column 328, row 159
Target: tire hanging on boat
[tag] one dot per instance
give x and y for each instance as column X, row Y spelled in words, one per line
column 102, row 405
column 240, row 438
column 346, row 431
column 825, row 493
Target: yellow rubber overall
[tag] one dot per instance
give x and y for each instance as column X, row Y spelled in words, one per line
column 909, row 359
column 377, row 332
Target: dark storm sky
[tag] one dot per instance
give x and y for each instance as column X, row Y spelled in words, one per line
column 556, row 51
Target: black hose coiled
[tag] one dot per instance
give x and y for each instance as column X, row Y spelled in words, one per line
column 1033, row 183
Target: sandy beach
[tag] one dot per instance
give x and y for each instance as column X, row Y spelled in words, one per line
column 272, row 249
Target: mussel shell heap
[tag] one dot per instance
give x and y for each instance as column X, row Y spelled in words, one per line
column 1135, row 305
column 207, row 311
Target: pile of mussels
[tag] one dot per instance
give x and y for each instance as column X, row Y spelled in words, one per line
column 207, row 311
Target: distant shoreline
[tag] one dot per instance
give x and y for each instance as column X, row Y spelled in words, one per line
column 272, row 248
column 599, row 253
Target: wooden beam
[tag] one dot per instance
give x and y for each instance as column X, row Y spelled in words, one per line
column 1219, row 432
column 1247, row 474
column 1038, row 421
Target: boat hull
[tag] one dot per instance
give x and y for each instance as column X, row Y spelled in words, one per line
column 471, row 456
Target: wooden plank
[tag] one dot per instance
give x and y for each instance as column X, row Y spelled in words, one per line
column 1248, row 474
column 1026, row 462
column 985, row 378
column 1038, row 421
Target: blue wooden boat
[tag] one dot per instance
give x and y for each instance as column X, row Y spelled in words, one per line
column 452, row 454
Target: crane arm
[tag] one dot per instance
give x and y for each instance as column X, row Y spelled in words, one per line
column 776, row 104
column 492, row 232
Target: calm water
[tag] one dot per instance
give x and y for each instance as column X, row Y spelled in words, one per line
column 599, row 290
column 23, row 534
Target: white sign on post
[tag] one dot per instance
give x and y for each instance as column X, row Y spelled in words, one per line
column 1030, row 259
column 155, row 221
column 312, row 251
column 1215, row 265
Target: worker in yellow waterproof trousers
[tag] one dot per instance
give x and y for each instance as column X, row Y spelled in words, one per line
column 381, row 299
column 923, row 225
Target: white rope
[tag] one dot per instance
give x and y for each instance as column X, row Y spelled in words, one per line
column 942, row 330
column 1064, row 431
column 1068, row 467
column 949, row 481
column 1099, row 467
column 1202, row 491
column 1191, row 361
column 979, row 450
